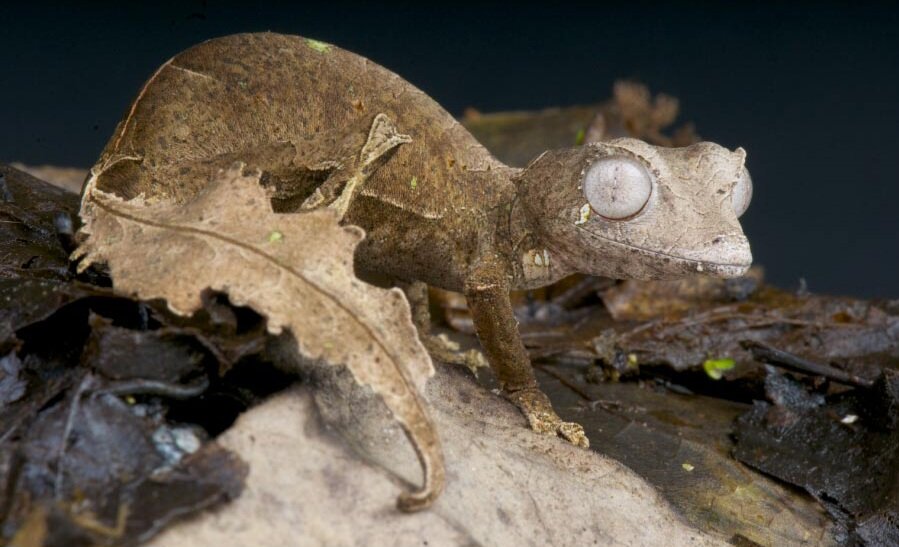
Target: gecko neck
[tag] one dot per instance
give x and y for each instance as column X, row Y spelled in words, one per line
column 535, row 262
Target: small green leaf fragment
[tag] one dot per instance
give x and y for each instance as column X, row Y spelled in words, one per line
column 579, row 138
column 715, row 368
column 275, row 237
column 413, row 183
column 688, row 466
column 320, row 47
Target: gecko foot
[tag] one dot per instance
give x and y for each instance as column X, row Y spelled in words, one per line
column 535, row 405
column 445, row 350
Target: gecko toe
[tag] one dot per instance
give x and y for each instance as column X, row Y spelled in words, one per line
column 536, row 407
column 573, row 433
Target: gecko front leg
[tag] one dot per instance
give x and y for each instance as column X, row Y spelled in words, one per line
column 487, row 291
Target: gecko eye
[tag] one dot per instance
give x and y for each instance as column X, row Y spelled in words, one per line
column 742, row 193
column 617, row 187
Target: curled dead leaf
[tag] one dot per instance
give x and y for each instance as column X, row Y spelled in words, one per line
column 302, row 280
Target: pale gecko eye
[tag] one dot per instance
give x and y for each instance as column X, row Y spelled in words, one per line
column 617, row 187
column 742, row 193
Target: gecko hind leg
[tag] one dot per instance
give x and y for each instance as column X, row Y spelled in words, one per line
column 440, row 347
column 447, row 351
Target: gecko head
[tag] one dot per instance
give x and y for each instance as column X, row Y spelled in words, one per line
column 627, row 209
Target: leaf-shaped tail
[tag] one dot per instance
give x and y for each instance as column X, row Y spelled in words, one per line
column 296, row 269
column 430, row 455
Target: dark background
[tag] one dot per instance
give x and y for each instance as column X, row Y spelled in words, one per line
column 810, row 90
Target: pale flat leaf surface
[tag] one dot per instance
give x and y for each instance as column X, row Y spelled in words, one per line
column 508, row 485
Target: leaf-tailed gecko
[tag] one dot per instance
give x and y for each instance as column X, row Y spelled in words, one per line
column 329, row 128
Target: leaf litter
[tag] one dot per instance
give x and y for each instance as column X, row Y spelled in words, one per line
column 83, row 385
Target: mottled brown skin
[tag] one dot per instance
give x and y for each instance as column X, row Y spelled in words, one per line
column 295, row 107
column 436, row 206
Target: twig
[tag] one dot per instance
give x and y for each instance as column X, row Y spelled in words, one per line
column 565, row 382
column 155, row 387
column 753, row 322
column 127, row 387
column 580, row 290
column 767, row 354
column 67, row 430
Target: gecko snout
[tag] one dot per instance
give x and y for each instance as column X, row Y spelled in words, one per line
column 725, row 255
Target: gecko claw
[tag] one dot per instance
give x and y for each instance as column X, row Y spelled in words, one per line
column 574, row 433
column 535, row 406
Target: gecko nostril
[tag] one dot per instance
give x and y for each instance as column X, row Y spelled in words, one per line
column 717, row 240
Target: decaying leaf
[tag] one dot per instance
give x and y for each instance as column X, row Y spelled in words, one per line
column 518, row 137
column 655, row 432
column 301, row 280
column 33, row 217
column 842, row 448
column 640, row 301
column 647, row 116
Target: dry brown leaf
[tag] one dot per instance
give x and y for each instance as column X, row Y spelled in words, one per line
column 295, row 269
column 646, row 300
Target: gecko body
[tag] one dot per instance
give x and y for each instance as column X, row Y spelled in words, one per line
column 329, row 128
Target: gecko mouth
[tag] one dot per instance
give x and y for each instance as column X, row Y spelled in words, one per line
column 718, row 269
column 724, row 270
column 732, row 256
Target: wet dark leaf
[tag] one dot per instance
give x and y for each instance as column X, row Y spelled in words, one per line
column 843, row 450
column 12, row 386
column 125, row 354
column 202, row 480
column 103, row 469
column 35, row 279
column 30, row 210
column 231, row 333
column 80, row 465
column 681, row 445
column 26, row 300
